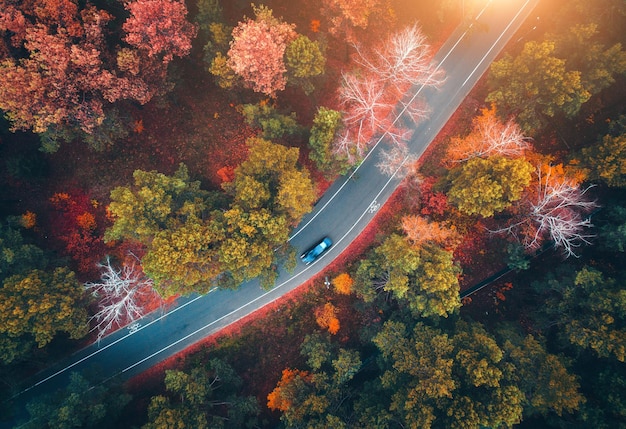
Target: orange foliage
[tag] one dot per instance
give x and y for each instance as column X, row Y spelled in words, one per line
column 500, row 292
column 314, row 26
column 59, row 199
column 343, row 284
column 86, row 221
column 139, row 128
column 28, row 220
column 419, row 230
column 279, row 398
column 489, row 136
column 326, row 318
column 226, row 174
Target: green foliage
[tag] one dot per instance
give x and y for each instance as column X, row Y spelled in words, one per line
column 325, row 125
column 589, row 309
column 439, row 379
column 489, row 185
column 612, row 234
column 425, row 278
column 78, row 405
column 273, row 124
column 112, row 129
column 606, row 160
column 581, row 48
column 534, row 85
column 39, row 305
column 206, row 397
column 543, row 377
column 517, row 257
column 225, row 77
column 154, row 203
column 16, row 256
column 304, row 59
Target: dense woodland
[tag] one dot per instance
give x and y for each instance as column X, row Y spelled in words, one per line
column 155, row 148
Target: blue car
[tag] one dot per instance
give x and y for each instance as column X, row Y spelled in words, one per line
column 314, row 252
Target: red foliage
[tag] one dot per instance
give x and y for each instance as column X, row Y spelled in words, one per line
column 432, row 203
column 73, row 223
column 159, row 28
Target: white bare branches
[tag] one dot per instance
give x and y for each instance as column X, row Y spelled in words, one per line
column 556, row 211
column 489, row 137
column 397, row 161
column 121, row 294
column 370, row 94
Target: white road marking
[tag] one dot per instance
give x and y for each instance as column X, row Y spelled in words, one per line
column 496, row 42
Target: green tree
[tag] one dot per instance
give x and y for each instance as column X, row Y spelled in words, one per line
column 535, row 85
column 320, row 398
column 78, row 405
column 17, row 256
column 304, row 59
column 185, row 259
column 39, row 305
column 582, row 49
column 205, row 397
column 606, row 160
column 489, row 185
column 325, row 125
column 612, row 232
column 424, row 278
column 543, row 377
column 270, row 194
column 154, row 203
column 273, row 124
column 588, row 308
column 440, row 379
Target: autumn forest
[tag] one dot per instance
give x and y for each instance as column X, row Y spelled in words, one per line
column 154, row 149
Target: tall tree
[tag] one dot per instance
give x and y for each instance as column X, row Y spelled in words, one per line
column 485, row 186
column 38, row 305
column 488, row 137
column 257, row 51
column 159, row 27
column 439, row 379
column 588, row 308
column 606, row 160
column 305, row 60
column 205, row 397
column 80, row 404
column 425, row 279
column 536, row 85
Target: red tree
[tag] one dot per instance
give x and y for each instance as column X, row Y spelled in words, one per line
column 159, row 28
column 257, row 50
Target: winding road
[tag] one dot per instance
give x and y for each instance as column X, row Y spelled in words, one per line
column 342, row 214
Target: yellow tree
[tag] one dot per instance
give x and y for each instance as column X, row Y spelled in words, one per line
column 486, row 186
column 40, row 304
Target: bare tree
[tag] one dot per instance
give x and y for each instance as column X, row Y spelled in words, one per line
column 122, row 294
column 489, row 136
column 397, row 161
column 371, row 94
column 556, row 210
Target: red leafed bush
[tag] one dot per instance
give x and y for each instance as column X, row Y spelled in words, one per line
column 74, row 223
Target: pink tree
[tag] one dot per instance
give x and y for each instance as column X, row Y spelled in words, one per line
column 370, row 94
column 160, row 28
column 257, row 51
column 554, row 210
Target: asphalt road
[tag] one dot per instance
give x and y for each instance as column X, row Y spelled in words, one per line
column 342, row 213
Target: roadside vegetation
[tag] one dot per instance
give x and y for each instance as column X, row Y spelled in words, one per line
column 156, row 148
